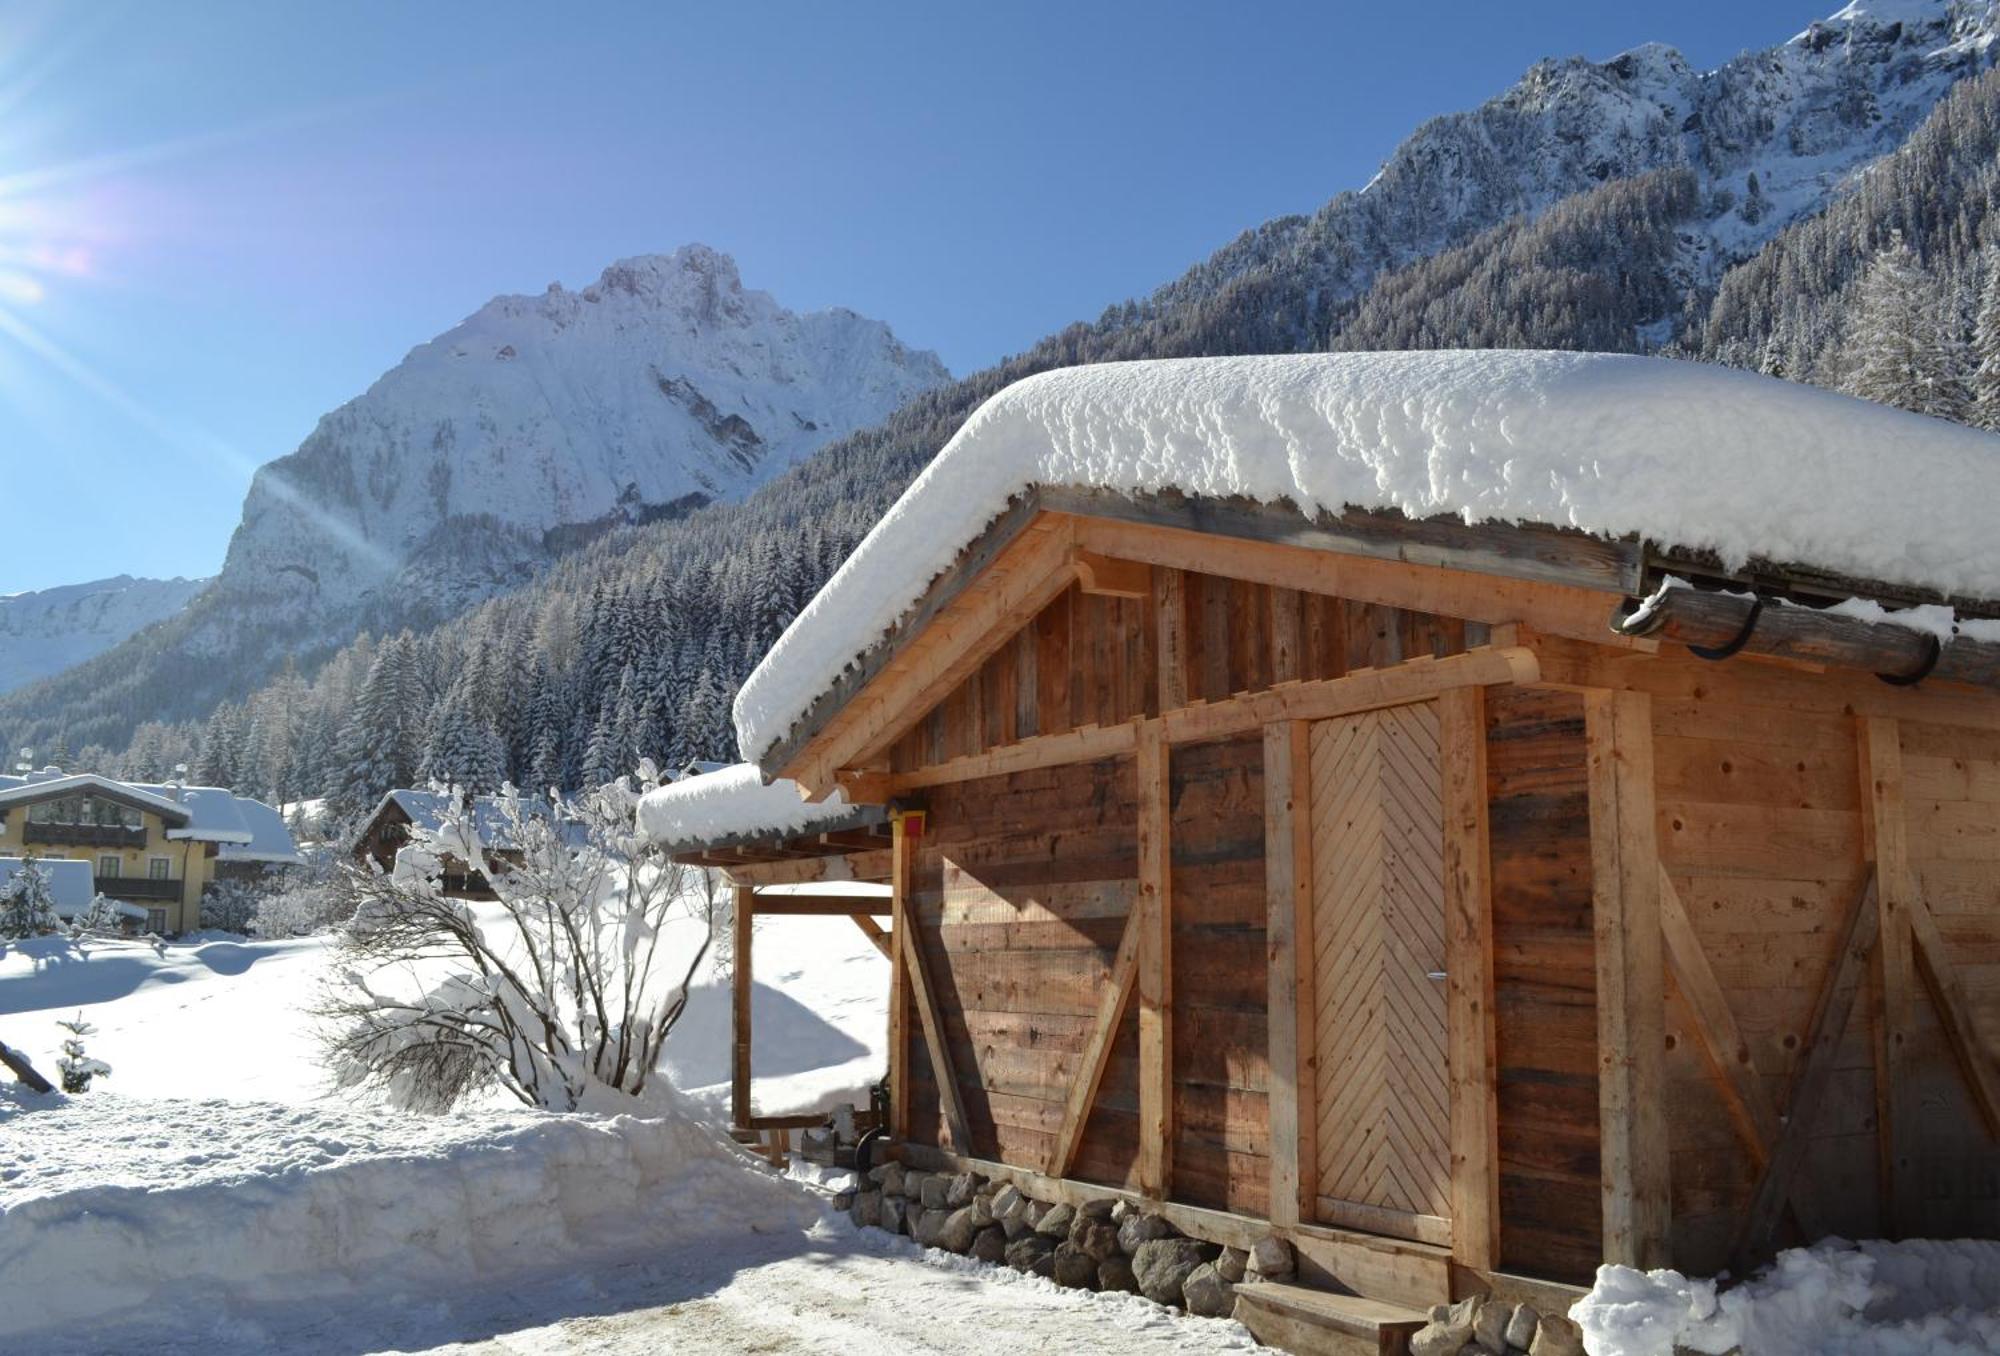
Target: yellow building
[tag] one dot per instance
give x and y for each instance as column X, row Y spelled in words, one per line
column 157, row 847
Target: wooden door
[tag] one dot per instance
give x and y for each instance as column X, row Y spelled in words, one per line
column 1382, row 1097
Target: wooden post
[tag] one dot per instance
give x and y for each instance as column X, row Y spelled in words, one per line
column 1290, row 966
column 1170, row 602
column 1885, row 843
column 1156, row 968
column 740, row 988
column 1631, row 978
column 899, row 997
column 1468, row 907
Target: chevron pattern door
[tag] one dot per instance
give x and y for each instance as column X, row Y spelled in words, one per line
column 1382, row 1101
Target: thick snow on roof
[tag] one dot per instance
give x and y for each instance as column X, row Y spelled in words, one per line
column 735, row 801
column 15, row 789
column 71, row 885
column 270, row 839
column 216, row 816
column 1686, row 454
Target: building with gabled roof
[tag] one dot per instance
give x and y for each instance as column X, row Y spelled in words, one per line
column 154, row 846
column 1473, row 815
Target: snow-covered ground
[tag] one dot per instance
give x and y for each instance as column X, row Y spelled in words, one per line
column 212, row 1017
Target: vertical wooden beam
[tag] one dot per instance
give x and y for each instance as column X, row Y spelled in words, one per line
column 1170, row 609
column 1156, row 967
column 743, row 915
column 1287, row 635
column 1468, row 907
column 1294, row 1120
column 1885, row 841
column 1631, row 978
column 900, row 869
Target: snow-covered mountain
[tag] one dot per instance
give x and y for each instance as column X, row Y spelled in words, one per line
column 399, row 509
column 46, row 631
column 663, row 385
column 1771, row 135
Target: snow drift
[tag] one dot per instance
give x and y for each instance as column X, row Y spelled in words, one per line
column 1923, row 1297
column 1686, row 454
column 200, row 1208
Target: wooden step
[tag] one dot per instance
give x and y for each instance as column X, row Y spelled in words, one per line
column 1308, row 1322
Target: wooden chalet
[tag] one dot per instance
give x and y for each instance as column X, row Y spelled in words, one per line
column 1408, row 888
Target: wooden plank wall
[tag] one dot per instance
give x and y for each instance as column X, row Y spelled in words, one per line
column 1759, row 828
column 1951, row 782
column 1090, row 660
column 1221, row 1120
column 1545, row 1014
column 1021, row 890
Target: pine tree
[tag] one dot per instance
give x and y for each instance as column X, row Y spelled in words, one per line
column 1985, row 383
column 27, row 908
column 76, row 1066
column 1901, row 350
column 462, row 750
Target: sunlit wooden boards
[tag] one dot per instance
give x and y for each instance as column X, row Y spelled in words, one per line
column 1382, row 1102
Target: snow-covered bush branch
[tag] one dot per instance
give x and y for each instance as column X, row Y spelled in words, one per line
column 567, row 981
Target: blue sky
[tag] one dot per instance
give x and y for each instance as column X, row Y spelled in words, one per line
column 219, row 221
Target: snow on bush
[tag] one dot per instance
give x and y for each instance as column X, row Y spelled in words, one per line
column 188, row 1212
column 1923, row 1297
column 1683, row 453
column 564, row 988
column 27, row 907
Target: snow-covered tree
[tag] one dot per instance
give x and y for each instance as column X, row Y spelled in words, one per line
column 75, row 1064
column 566, row 989
column 230, row 906
column 1985, row 381
column 1903, row 348
column 27, row 908
column 463, row 750
column 101, row 919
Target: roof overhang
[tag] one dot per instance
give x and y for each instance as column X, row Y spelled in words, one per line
column 1560, row 581
column 90, row 782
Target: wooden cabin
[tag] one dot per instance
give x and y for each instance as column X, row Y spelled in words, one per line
column 1406, row 887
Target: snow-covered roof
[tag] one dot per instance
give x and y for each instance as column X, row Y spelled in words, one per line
column 736, row 803
column 71, row 884
column 13, row 790
column 270, row 838
column 1686, row 454
column 214, row 813
column 426, row 810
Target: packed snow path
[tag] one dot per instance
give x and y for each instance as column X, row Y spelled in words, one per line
column 850, row 1293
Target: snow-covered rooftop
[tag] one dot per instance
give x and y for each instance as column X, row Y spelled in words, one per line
column 270, row 838
column 216, row 814
column 735, row 803
column 39, row 786
column 1686, row 454
column 426, row 810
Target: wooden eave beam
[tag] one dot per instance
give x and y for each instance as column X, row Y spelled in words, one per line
column 1246, row 713
column 1539, row 554
column 1109, row 578
column 820, row 906
column 1699, row 617
column 864, row 866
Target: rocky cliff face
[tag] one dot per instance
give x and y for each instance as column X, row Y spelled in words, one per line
column 663, row 385
column 1771, row 135
column 46, row 631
